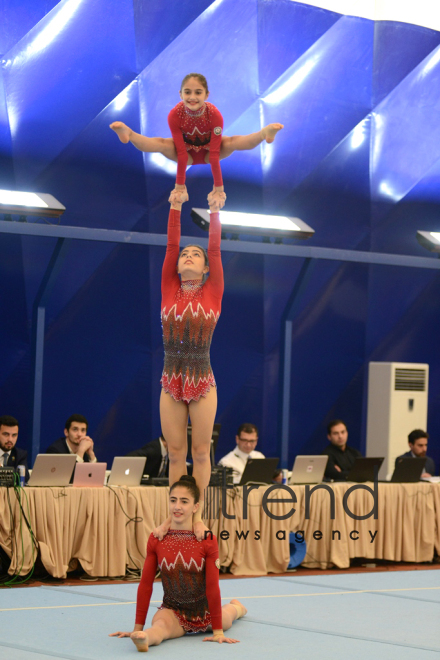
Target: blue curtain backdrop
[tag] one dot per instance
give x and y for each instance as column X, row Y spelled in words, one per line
column 358, row 159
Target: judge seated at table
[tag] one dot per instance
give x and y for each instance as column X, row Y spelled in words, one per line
column 341, row 457
column 10, row 454
column 156, row 453
column 418, row 446
column 75, row 441
column 246, row 439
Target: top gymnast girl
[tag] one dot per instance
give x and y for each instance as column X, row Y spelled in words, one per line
column 197, row 130
column 192, row 601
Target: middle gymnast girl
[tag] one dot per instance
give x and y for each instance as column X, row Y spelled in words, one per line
column 191, row 304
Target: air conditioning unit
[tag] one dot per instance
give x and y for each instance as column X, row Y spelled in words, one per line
column 397, row 404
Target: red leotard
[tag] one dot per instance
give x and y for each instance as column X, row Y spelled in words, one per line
column 197, row 131
column 190, row 582
column 189, row 313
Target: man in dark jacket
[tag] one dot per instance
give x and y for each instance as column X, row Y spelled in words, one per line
column 156, row 453
column 418, row 446
column 10, row 455
column 75, row 441
column 341, row 457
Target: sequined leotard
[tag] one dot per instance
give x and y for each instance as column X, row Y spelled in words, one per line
column 197, row 132
column 190, row 582
column 189, row 313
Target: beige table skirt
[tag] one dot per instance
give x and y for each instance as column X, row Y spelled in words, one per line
column 106, row 529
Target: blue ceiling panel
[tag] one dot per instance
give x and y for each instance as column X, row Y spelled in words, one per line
column 406, row 133
column 427, row 189
column 46, row 81
column 394, row 226
column 286, row 30
column 336, row 193
column 18, row 17
column 388, row 310
column 158, row 24
column 398, row 228
column 319, row 99
column 7, row 179
column 101, row 181
column 398, row 48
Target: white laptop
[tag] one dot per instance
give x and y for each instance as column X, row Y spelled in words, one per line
column 52, row 470
column 308, row 469
column 89, row 475
column 126, row 471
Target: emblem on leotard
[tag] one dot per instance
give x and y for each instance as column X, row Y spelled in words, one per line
column 218, row 130
column 217, row 563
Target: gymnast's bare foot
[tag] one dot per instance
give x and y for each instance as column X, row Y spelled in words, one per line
column 122, row 131
column 270, row 131
column 141, row 640
column 242, row 611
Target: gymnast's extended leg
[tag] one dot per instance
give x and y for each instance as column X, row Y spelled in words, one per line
column 245, row 142
column 165, row 625
column 164, row 146
column 231, row 612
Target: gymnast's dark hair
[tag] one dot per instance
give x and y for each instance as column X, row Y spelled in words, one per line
column 202, row 80
column 188, row 482
column 199, row 247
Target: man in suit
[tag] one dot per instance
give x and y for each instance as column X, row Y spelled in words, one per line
column 10, row 455
column 418, row 446
column 75, row 441
column 156, row 453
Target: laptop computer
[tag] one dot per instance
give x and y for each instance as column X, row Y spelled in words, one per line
column 89, row 475
column 408, row 470
column 308, row 470
column 363, row 469
column 126, row 471
column 52, row 470
column 259, row 471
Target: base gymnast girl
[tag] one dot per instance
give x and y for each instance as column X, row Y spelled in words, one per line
column 190, row 570
column 197, row 130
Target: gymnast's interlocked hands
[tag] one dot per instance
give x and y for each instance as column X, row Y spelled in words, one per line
column 216, row 199
column 178, row 195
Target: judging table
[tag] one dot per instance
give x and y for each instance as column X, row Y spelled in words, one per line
column 106, row 530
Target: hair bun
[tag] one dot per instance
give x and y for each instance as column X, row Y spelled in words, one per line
column 187, row 477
